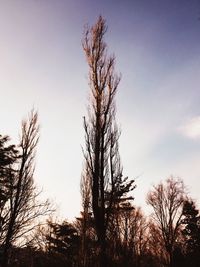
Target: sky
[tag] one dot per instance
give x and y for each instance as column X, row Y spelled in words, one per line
column 42, row 65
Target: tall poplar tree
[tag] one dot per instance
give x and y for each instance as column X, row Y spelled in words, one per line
column 101, row 135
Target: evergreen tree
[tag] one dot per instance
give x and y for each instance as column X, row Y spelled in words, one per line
column 191, row 232
column 8, row 156
column 64, row 241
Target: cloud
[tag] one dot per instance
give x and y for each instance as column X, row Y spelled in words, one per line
column 191, row 128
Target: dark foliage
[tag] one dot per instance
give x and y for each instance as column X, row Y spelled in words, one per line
column 191, row 233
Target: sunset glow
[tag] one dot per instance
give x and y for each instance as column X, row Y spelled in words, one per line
column 157, row 51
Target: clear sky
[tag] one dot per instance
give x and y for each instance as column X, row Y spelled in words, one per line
column 157, row 48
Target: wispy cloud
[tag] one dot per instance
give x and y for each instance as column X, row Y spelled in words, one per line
column 191, row 128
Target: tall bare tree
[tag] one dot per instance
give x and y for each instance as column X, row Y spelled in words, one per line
column 102, row 134
column 167, row 201
column 22, row 206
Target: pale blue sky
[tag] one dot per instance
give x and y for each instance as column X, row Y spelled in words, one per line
column 156, row 43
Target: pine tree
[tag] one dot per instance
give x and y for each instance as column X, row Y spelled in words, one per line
column 191, row 232
column 8, row 157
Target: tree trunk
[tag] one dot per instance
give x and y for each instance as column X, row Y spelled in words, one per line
column 102, row 256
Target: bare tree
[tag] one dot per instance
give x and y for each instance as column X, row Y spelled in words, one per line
column 167, row 202
column 85, row 221
column 23, row 205
column 138, row 235
column 102, row 134
column 155, row 245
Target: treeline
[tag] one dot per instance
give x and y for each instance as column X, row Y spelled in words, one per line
column 168, row 237
column 111, row 231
